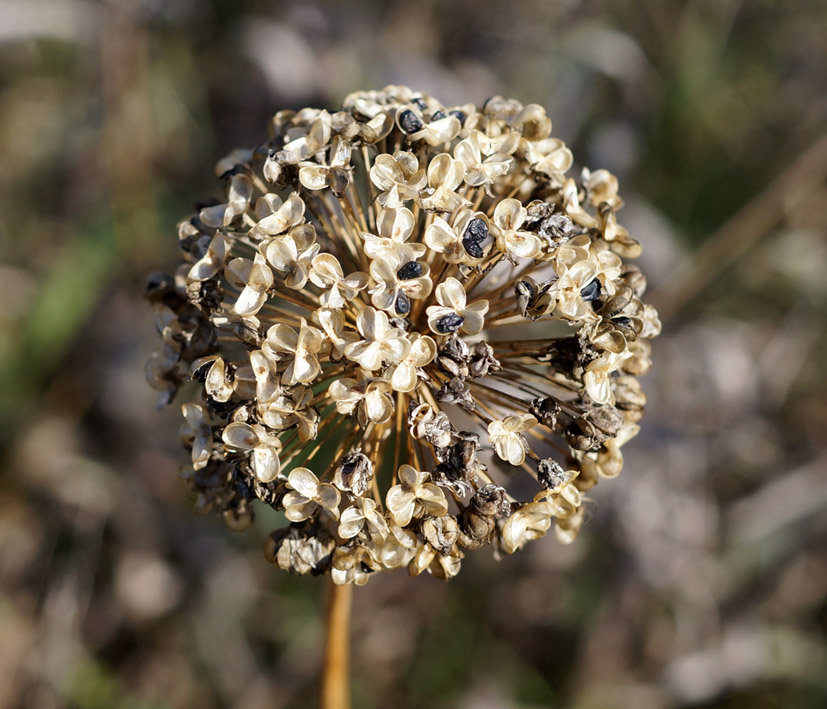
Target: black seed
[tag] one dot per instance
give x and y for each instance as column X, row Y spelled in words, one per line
column 473, row 248
column 419, row 103
column 622, row 321
column 477, row 230
column 409, row 122
column 475, row 233
column 438, row 116
column 409, row 270
column 402, row 304
column 591, row 291
column 460, row 116
column 449, row 323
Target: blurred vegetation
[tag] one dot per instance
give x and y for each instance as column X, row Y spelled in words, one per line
column 701, row 579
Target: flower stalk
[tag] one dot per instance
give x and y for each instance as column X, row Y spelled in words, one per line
column 336, row 677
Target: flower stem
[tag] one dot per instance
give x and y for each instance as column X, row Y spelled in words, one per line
column 335, row 682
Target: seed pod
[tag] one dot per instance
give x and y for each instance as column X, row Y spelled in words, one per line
column 551, row 474
column 490, row 501
column 617, row 302
column 456, row 391
column 629, row 398
column 545, row 410
column 440, row 532
column 354, row 473
column 606, row 419
column 474, row 529
column 582, row 435
column 301, row 549
column 482, row 361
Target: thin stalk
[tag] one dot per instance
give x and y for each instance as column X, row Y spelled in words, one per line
column 336, row 680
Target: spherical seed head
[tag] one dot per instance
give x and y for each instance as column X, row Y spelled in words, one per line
column 395, row 307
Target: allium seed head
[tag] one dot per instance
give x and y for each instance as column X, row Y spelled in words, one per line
column 395, row 308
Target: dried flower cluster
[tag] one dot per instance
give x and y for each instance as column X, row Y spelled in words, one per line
column 412, row 334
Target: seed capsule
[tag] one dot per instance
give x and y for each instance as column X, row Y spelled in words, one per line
column 550, row 474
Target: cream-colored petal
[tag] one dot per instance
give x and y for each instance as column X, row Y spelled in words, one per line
column 524, row 245
column 266, row 464
column 378, row 406
column 396, row 348
column 356, row 281
column 268, row 204
column 216, row 383
column 401, row 505
column 385, row 172
column 328, row 497
column 213, row 216
column 266, row 376
column 451, row 294
column 237, row 272
column 326, row 270
column 287, row 215
column 473, row 323
column 305, row 370
column 513, row 534
column 525, row 421
column 598, row 387
column 282, row 338
column 241, row 189
column 439, row 236
column 261, row 277
column 314, row 177
column 240, row 436
column 408, row 476
column 515, row 449
column 372, row 324
column 404, row 377
column 351, row 523
column 304, row 481
column 432, row 499
column 249, row 301
column 296, row 508
column 396, row 224
column 509, row 214
column 212, row 260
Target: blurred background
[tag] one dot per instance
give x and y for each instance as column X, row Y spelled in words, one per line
column 701, row 579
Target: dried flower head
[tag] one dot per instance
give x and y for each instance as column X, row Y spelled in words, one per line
column 397, row 307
